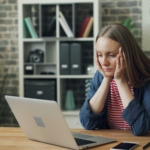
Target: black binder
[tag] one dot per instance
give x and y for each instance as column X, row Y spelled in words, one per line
column 75, row 58
column 64, row 59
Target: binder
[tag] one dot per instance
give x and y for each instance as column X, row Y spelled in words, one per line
column 75, row 58
column 64, row 59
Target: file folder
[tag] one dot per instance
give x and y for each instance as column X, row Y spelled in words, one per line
column 64, row 59
column 75, row 58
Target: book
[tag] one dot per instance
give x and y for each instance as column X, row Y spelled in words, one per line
column 88, row 27
column 83, row 26
column 51, row 27
column 30, row 27
column 64, row 27
column 69, row 32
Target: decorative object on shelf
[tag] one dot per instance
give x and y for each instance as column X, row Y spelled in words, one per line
column 90, row 69
column 69, row 103
column 34, row 16
column 128, row 23
column 87, row 86
column 30, row 27
column 28, row 69
column 36, row 56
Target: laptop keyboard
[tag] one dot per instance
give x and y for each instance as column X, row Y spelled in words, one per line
column 81, row 142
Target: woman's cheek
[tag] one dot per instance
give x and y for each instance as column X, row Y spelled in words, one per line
column 100, row 61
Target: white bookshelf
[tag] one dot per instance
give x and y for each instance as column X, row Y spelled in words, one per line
column 50, row 46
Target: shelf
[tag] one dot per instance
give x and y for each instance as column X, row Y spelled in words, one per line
column 75, row 76
column 54, row 39
column 30, row 63
column 40, row 76
column 39, row 39
column 57, row 50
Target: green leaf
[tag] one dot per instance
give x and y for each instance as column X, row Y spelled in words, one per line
column 128, row 23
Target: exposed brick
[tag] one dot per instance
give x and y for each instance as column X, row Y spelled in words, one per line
column 16, row 22
column 6, row 21
column 3, row 1
column 3, row 42
column 137, row 25
column 12, row 1
column 109, row 18
column 119, row 11
column 133, row 18
column 5, row 35
column 105, row 11
column 5, row 7
column 11, row 62
column 13, row 14
column 3, row 28
column 2, row 49
column 108, row 4
column 132, row 3
column 127, row 4
column 13, row 29
column 3, row 14
column 15, row 82
column 15, row 7
column 136, row 32
column 14, row 42
column 140, row 3
column 136, row 10
column 14, row 49
column 14, row 56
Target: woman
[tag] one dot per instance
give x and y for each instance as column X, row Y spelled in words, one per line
column 119, row 95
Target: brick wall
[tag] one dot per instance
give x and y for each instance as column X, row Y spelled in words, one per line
column 112, row 11
column 8, row 57
column 118, row 10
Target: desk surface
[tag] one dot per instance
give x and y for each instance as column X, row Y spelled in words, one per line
column 14, row 139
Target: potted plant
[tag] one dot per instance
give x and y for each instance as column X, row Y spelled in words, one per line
column 128, row 23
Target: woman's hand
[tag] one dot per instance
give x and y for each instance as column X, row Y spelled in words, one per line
column 120, row 72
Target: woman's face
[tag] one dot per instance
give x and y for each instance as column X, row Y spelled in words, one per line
column 107, row 51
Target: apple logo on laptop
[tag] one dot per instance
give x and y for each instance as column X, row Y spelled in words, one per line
column 39, row 121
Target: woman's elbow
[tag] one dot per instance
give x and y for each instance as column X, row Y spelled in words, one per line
column 139, row 132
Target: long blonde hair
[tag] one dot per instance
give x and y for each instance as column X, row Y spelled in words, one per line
column 138, row 64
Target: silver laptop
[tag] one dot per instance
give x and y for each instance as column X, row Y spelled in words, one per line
column 42, row 120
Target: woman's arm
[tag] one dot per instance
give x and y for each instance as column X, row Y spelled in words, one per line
column 98, row 100
column 89, row 119
column 121, row 79
column 137, row 106
column 125, row 92
column 137, row 113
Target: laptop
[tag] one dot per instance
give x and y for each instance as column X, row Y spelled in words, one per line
column 42, row 120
